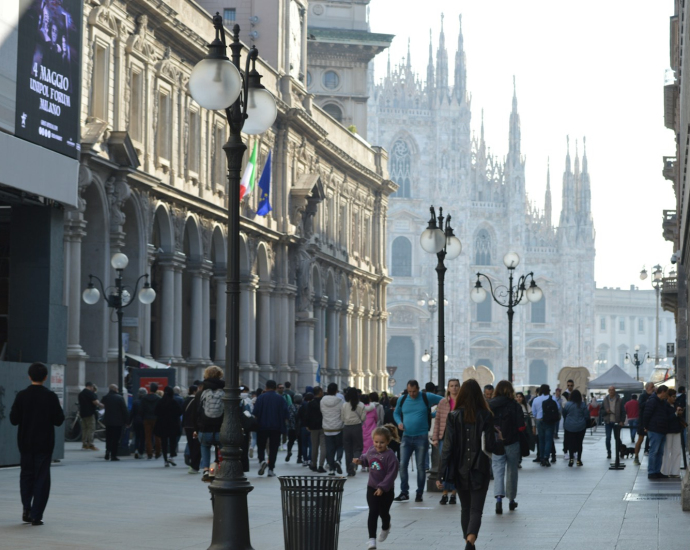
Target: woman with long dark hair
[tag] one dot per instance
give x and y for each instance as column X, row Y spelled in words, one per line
column 529, row 422
column 509, row 418
column 575, row 418
column 352, row 414
column 470, row 438
column 167, row 426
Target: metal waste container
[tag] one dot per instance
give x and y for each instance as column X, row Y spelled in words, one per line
column 311, row 511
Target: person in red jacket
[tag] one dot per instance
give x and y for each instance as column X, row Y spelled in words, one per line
column 632, row 413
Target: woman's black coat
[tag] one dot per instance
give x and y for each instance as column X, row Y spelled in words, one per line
column 167, row 418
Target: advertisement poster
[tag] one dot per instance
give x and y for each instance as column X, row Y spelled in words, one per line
column 57, row 382
column 48, row 75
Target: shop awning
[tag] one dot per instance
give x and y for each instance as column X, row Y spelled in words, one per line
column 152, row 363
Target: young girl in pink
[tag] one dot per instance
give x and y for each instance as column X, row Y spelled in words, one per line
column 383, row 469
column 371, row 421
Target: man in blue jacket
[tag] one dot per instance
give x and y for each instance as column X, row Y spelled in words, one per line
column 271, row 412
column 655, row 422
column 413, row 415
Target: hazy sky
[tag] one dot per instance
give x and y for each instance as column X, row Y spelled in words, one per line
column 591, row 68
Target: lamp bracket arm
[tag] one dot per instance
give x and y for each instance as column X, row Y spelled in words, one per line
column 492, row 290
column 134, row 294
column 100, row 283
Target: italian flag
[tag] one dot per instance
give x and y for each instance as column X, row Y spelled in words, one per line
column 247, row 183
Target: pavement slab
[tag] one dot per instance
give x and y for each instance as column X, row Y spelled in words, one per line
column 136, row 504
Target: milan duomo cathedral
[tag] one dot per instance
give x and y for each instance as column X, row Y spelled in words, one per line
column 437, row 160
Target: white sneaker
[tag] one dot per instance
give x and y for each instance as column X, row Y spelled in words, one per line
column 251, row 452
column 271, row 473
column 384, row 534
column 371, row 544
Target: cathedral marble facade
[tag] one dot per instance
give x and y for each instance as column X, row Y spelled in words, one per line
column 436, row 160
column 153, row 185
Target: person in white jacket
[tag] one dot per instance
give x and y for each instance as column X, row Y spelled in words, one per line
column 331, row 406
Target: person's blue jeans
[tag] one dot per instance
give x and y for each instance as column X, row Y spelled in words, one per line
column 206, row 440
column 545, row 432
column 632, row 422
column 446, row 485
column 657, row 442
column 609, row 429
column 505, row 469
column 334, row 449
column 419, row 444
column 306, row 444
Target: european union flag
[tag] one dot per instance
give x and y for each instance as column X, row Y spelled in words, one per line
column 265, row 189
column 318, row 374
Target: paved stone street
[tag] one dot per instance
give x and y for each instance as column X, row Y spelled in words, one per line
column 141, row 504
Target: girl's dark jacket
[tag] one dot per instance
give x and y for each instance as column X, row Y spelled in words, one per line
column 508, row 416
column 455, row 447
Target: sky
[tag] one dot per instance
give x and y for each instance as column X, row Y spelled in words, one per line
column 585, row 68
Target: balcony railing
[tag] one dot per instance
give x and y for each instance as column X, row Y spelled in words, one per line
column 669, row 170
column 670, row 225
column 669, row 294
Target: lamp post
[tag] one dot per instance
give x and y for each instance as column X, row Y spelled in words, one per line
column 438, row 238
column 217, row 84
column 119, row 298
column 635, row 359
column 657, row 276
column 428, row 357
column 509, row 297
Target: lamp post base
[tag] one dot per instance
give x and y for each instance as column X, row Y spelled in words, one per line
column 433, row 471
column 230, row 514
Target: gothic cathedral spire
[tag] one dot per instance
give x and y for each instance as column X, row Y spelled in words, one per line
column 430, row 72
column 514, row 136
column 460, row 88
column 442, row 65
column 585, row 187
column 547, row 197
column 568, row 200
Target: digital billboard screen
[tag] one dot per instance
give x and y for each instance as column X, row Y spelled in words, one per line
column 48, row 75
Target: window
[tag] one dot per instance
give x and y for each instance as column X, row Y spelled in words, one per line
column 538, row 372
column 621, row 325
column 219, row 172
column 229, row 16
column 602, row 323
column 164, row 125
column 539, row 311
column 335, row 111
column 331, row 80
column 482, row 248
column 99, row 98
column 484, row 311
column 399, row 167
column 640, row 325
column 401, row 260
column 193, row 145
column 136, row 111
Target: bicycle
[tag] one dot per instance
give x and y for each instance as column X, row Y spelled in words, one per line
column 73, row 427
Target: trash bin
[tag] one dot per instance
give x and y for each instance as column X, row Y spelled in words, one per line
column 311, row 511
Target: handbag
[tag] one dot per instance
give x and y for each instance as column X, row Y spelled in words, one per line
column 249, row 422
column 524, row 443
column 496, row 446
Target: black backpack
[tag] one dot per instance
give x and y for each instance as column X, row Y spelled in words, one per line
column 426, row 402
column 550, row 409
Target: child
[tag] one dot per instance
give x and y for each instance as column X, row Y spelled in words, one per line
column 383, row 469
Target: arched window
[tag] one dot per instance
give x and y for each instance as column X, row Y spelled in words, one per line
column 399, row 167
column 335, row 111
column 401, row 260
column 484, row 311
column 482, row 248
column 539, row 311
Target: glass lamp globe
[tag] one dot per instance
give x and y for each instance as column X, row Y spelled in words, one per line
column 126, row 297
column 657, row 273
column 523, row 299
column 119, row 261
column 432, row 240
column 627, row 359
column 511, row 260
column 215, row 83
column 91, row 295
column 534, row 293
column 421, row 302
column 426, row 357
column 453, row 248
column 432, row 302
column 649, row 359
column 637, row 347
column 147, row 295
column 478, row 294
column 643, row 274
column 445, row 358
column 261, row 111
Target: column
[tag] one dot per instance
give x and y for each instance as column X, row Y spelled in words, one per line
column 265, row 327
column 221, row 313
column 289, row 301
column 196, row 312
column 167, row 310
column 333, row 336
column 177, row 330
column 206, row 312
column 318, row 333
column 76, row 357
column 345, row 344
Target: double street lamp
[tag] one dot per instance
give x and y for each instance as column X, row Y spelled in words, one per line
column 509, row 296
column 438, row 238
column 119, row 298
column 428, row 357
column 217, row 83
column 635, row 359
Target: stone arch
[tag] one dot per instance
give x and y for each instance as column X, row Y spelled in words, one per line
column 163, row 234
column 330, row 286
column 263, row 263
column 95, row 260
column 136, row 249
column 316, row 281
column 192, row 246
column 218, row 248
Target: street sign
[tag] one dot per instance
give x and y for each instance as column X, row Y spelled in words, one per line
column 671, row 349
column 391, row 370
column 391, row 382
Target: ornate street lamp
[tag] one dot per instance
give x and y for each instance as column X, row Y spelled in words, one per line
column 635, row 359
column 509, row 296
column 439, row 239
column 657, row 276
column 119, row 298
column 217, row 83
